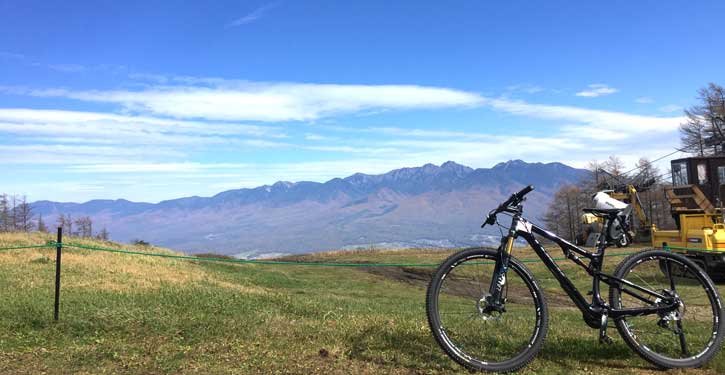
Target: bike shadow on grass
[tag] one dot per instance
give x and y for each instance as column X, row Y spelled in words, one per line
column 573, row 352
column 402, row 348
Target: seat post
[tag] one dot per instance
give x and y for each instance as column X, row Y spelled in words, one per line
column 602, row 243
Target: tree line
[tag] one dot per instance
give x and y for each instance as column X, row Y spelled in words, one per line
column 565, row 211
column 16, row 215
column 702, row 134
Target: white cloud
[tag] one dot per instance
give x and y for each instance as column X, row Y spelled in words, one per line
column 597, row 89
column 670, row 108
column 53, row 137
column 237, row 101
column 644, row 100
column 138, row 129
column 165, row 152
column 212, row 99
column 149, row 167
column 526, row 88
column 67, row 68
column 591, row 119
column 316, row 137
column 60, row 154
column 253, row 16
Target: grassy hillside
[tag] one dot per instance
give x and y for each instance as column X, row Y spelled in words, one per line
column 134, row 314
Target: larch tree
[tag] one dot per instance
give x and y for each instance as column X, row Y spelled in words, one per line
column 4, row 213
column 84, row 225
column 41, row 225
column 703, row 133
column 24, row 215
column 103, row 234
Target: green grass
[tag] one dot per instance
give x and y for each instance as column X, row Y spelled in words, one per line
column 134, row 314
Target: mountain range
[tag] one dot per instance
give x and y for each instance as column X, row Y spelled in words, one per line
column 427, row 206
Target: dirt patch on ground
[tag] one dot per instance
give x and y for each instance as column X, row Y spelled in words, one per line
column 464, row 287
column 416, row 276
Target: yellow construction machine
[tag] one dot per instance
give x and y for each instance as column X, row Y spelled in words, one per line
column 695, row 197
column 626, row 197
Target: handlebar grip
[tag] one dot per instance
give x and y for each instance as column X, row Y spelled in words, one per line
column 515, row 198
column 524, row 191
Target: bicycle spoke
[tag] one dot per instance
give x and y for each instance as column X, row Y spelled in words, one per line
column 470, row 327
column 639, row 297
column 665, row 334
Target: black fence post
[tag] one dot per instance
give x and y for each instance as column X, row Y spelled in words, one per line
column 58, row 251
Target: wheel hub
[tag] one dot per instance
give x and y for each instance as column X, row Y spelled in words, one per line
column 667, row 318
column 486, row 310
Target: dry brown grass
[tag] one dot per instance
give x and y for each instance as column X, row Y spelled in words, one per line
column 97, row 270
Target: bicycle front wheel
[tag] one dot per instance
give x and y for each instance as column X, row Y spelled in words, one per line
column 687, row 337
column 471, row 335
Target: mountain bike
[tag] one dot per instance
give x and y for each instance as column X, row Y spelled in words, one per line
column 488, row 312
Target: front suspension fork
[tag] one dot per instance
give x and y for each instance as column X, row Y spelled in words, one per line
column 498, row 281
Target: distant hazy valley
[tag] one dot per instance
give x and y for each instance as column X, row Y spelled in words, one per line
column 427, row 206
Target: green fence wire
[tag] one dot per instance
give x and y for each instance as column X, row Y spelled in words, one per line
column 693, row 249
column 266, row 262
column 29, row 246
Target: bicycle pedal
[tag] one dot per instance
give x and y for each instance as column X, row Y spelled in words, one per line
column 606, row 340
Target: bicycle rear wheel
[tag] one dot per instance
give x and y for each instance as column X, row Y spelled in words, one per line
column 687, row 337
column 473, row 337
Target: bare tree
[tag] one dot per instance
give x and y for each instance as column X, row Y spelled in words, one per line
column 692, row 135
column 13, row 212
column 5, row 224
column 41, row 225
column 84, row 226
column 23, row 215
column 66, row 223
column 647, row 170
column 704, row 131
column 594, row 167
column 564, row 213
column 103, row 234
column 614, row 165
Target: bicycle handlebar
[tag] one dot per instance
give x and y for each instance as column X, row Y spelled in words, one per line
column 513, row 200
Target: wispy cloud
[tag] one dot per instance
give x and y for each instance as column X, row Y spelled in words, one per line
column 589, row 119
column 21, row 121
column 253, row 16
column 596, row 89
column 240, row 101
column 178, row 131
column 67, row 68
column 644, row 100
column 525, row 88
column 11, row 55
column 670, row 108
column 61, row 154
column 59, row 137
column 316, row 137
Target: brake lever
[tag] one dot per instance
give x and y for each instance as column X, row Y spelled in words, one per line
column 490, row 220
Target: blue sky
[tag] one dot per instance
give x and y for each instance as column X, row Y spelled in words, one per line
column 154, row 100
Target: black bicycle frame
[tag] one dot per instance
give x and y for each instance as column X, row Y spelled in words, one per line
column 520, row 227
